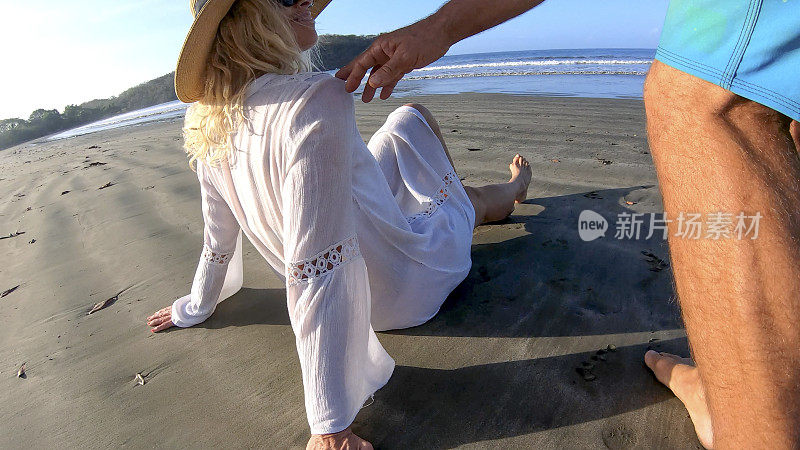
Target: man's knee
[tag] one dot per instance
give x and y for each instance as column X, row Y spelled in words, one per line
column 673, row 95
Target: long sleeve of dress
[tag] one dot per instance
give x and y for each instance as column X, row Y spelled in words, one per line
column 328, row 292
column 219, row 272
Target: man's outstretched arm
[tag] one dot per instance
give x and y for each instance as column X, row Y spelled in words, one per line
column 391, row 56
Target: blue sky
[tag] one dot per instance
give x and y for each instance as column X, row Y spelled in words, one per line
column 63, row 52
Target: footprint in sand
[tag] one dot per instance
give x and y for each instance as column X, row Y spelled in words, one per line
column 656, row 264
column 559, row 243
column 586, row 369
column 593, row 195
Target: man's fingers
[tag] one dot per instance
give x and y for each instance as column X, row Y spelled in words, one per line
column 344, row 72
column 390, row 72
column 372, row 57
column 368, row 94
column 369, row 91
column 358, row 68
column 386, row 92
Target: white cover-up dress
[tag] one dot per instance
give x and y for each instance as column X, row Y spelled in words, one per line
column 366, row 237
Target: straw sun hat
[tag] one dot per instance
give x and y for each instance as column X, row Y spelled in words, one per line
column 190, row 73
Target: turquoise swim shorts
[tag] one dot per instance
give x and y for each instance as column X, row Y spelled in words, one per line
column 749, row 47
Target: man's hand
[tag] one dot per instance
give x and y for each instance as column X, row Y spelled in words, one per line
column 395, row 54
column 391, row 56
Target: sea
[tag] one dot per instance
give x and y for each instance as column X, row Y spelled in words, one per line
column 603, row 73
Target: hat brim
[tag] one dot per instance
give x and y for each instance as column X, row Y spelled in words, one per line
column 190, row 71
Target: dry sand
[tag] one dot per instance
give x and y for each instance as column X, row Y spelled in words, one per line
column 496, row 367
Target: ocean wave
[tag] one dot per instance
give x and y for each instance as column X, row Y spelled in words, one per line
column 545, row 62
column 515, row 74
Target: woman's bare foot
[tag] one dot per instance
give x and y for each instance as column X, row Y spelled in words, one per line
column 520, row 173
column 343, row 440
column 683, row 379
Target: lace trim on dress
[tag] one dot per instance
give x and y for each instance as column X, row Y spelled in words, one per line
column 323, row 262
column 437, row 199
column 215, row 257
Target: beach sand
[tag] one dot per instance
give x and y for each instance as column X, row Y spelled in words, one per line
column 497, row 367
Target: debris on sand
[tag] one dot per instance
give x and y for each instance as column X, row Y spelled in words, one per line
column 31, row 241
column 555, row 160
column 96, row 163
column 139, row 379
column 21, row 371
column 628, row 202
column 13, row 235
column 92, row 147
column 65, row 192
column 109, row 184
column 104, row 304
column 8, row 291
column 28, row 208
column 148, row 187
column 611, row 348
column 605, row 162
column 474, row 149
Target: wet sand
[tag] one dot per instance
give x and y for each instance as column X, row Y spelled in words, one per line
column 511, row 360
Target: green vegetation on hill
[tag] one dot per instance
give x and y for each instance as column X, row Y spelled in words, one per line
column 334, row 52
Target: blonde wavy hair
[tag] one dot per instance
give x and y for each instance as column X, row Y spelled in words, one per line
column 254, row 38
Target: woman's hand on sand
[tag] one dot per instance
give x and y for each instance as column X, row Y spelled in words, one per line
column 391, row 56
column 343, row 440
column 161, row 320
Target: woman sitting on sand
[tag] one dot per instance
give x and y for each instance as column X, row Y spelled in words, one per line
column 367, row 237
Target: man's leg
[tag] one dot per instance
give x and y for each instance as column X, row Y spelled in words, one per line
column 718, row 152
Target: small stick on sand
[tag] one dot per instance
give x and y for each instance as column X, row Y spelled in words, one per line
column 105, row 303
column 13, row 235
column 139, row 379
column 8, row 291
column 21, row 371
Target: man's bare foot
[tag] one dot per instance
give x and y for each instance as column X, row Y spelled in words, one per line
column 343, row 440
column 521, row 173
column 683, row 379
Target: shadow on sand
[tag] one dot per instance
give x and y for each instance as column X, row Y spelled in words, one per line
column 531, row 277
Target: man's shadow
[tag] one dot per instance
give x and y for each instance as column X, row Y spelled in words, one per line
column 434, row 408
column 544, row 280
